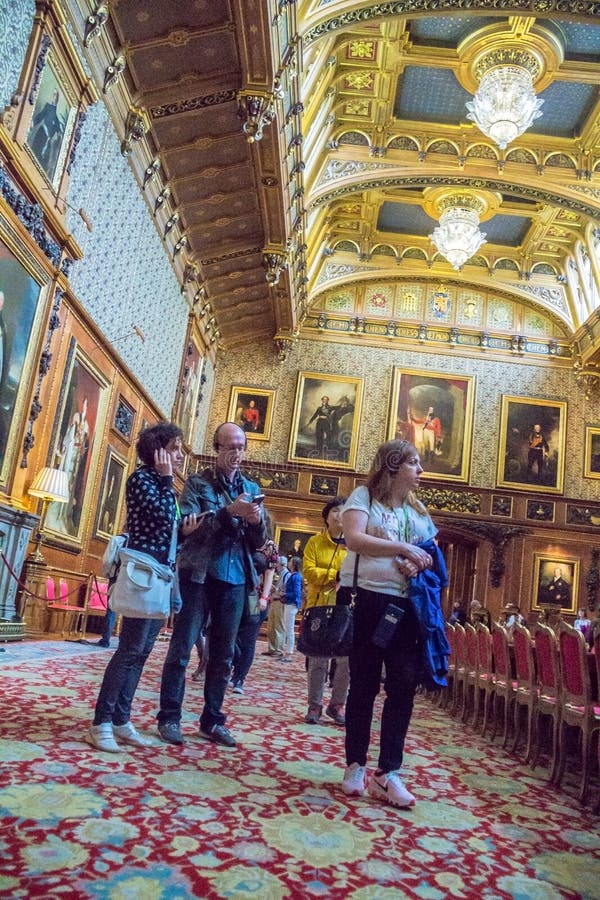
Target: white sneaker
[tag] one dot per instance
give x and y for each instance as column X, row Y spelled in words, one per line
column 102, row 738
column 390, row 788
column 127, row 734
column 354, row 781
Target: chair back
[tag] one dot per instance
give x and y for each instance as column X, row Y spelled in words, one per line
column 546, row 653
column 98, row 596
column 64, row 591
column 524, row 659
column 574, row 667
column 471, row 645
column 501, row 652
column 484, row 648
column 460, row 645
column 50, row 588
column 450, row 635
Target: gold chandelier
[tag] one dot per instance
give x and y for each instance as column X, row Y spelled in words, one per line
column 504, row 66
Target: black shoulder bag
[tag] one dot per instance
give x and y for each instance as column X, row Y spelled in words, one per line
column 327, row 630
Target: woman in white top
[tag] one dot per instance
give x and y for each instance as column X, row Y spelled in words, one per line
column 383, row 522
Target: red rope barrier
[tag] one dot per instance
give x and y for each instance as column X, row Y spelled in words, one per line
column 24, row 587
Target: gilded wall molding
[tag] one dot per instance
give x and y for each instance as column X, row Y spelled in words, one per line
column 579, row 9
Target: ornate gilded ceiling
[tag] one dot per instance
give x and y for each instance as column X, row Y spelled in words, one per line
column 363, row 119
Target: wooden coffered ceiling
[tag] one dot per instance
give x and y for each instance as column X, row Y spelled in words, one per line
column 365, row 118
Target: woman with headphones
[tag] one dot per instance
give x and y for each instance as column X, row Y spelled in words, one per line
column 384, row 524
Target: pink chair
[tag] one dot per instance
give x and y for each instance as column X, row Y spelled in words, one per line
column 548, row 701
column 504, row 685
column 96, row 600
column 526, row 694
column 485, row 675
column 66, row 612
column 460, row 667
column 447, row 695
column 470, row 676
column 578, row 710
column 50, row 589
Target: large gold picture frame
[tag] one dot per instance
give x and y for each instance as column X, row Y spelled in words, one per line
column 76, row 443
column 185, row 411
column 434, row 411
column 291, row 539
column 23, row 289
column 110, row 495
column 591, row 460
column 555, row 583
column 531, row 451
column 52, row 120
column 252, row 409
column 326, row 420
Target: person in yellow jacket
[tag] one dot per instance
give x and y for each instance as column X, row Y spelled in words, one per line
column 323, row 557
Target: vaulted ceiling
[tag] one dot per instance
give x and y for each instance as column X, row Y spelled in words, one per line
column 280, row 137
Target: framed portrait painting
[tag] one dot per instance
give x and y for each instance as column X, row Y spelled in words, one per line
column 252, row 410
column 591, row 468
column 291, row 540
column 75, row 442
column 186, row 405
column 555, row 583
column 124, row 419
column 435, row 413
column 52, row 121
column 110, row 495
column 531, row 452
column 21, row 320
column 326, row 420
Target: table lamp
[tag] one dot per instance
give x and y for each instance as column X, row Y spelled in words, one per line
column 51, row 486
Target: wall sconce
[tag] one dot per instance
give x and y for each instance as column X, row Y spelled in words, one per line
column 274, row 260
column 51, row 486
column 257, row 111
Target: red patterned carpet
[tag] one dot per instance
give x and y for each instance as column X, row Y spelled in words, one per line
column 266, row 820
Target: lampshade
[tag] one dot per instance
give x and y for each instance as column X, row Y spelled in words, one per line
column 505, row 104
column 50, row 484
column 458, row 237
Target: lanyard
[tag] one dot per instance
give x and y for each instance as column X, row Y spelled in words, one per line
column 406, row 530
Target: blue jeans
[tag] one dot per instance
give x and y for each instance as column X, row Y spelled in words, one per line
column 402, row 667
column 224, row 603
column 124, row 670
column 245, row 644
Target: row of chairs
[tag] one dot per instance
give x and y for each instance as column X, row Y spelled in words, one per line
column 546, row 692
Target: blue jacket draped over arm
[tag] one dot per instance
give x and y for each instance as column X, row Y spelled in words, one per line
column 424, row 593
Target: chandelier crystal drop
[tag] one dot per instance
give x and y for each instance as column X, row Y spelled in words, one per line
column 505, row 104
column 458, row 237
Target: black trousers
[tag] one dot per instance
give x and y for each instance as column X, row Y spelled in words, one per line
column 402, row 666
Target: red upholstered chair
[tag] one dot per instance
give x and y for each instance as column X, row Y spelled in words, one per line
column 50, row 589
column 548, row 701
column 460, row 667
column 447, row 694
column 96, row 600
column 470, row 676
column 485, row 675
column 578, row 710
column 504, row 685
column 526, row 694
column 66, row 612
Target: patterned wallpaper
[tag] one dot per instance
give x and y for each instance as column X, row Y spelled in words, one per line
column 125, row 278
column 493, row 378
column 16, row 19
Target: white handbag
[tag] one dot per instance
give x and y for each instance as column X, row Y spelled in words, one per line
column 143, row 587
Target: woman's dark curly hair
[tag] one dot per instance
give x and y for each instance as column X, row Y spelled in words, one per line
column 155, row 438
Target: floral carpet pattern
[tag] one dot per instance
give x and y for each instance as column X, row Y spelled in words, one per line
column 268, row 819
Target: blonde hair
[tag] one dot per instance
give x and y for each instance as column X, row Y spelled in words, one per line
column 380, row 480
